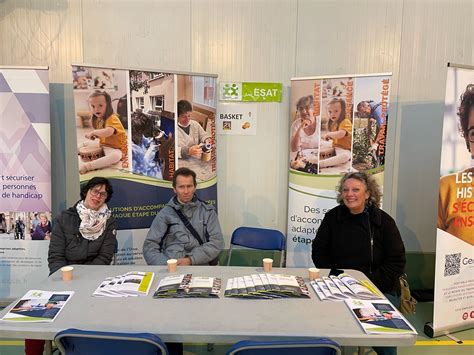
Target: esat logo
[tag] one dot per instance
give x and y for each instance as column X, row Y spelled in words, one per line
column 231, row 91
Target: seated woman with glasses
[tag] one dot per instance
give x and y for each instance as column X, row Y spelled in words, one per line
column 82, row 234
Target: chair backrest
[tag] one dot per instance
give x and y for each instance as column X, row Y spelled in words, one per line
column 320, row 346
column 257, row 238
column 78, row 342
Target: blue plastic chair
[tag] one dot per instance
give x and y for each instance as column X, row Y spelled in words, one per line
column 82, row 342
column 259, row 239
column 320, row 346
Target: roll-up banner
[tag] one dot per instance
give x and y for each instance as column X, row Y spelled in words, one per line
column 148, row 145
column 25, row 177
column 320, row 109
column 454, row 272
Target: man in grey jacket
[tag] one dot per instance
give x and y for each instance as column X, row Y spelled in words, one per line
column 169, row 238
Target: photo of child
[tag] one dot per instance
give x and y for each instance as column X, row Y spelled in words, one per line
column 111, row 135
column 101, row 123
column 339, row 132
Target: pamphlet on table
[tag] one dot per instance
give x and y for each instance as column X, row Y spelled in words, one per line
column 344, row 286
column 131, row 284
column 379, row 317
column 187, row 285
column 38, row 306
column 266, row 286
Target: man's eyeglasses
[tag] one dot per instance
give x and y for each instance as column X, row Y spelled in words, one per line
column 470, row 135
column 96, row 193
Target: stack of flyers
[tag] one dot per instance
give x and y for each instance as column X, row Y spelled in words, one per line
column 266, row 286
column 133, row 283
column 342, row 287
column 187, row 285
column 203, row 286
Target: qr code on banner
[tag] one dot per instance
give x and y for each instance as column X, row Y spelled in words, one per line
column 452, row 264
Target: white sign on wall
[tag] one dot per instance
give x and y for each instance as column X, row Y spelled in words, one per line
column 237, row 119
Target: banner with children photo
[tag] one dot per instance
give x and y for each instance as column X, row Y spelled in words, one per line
column 338, row 124
column 129, row 130
column 454, row 271
column 25, row 177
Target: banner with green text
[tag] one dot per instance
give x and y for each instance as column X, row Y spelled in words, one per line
column 250, row 92
column 319, row 106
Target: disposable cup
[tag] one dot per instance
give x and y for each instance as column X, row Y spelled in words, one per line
column 313, row 273
column 67, row 273
column 267, row 264
column 172, row 265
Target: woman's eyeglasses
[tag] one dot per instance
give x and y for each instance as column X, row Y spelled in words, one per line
column 97, row 193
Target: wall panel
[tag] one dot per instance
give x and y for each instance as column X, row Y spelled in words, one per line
column 138, row 34
column 40, row 33
column 250, row 41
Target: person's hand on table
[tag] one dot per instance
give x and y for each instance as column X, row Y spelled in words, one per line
column 184, row 261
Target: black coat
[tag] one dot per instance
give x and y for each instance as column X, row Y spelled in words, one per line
column 67, row 246
column 343, row 242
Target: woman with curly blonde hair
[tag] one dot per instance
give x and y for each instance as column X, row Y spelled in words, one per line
column 375, row 196
column 358, row 235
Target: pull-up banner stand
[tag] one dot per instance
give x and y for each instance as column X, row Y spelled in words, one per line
column 320, row 106
column 148, row 145
column 454, row 272
column 25, row 177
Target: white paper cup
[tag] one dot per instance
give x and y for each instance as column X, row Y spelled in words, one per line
column 267, row 264
column 67, row 273
column 172, row 265
column 313, row 273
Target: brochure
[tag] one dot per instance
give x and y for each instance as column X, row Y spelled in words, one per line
column 38, row 306
column 133, row 283
column 379, row 317
column 202, row 286
column 229, row 290
column 173, row 286
column 267, row 286
column 358, row 288
column 344, row 286
column 187, row 285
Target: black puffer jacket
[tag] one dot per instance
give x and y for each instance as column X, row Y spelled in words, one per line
column 67, row 246
column 343, row 242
